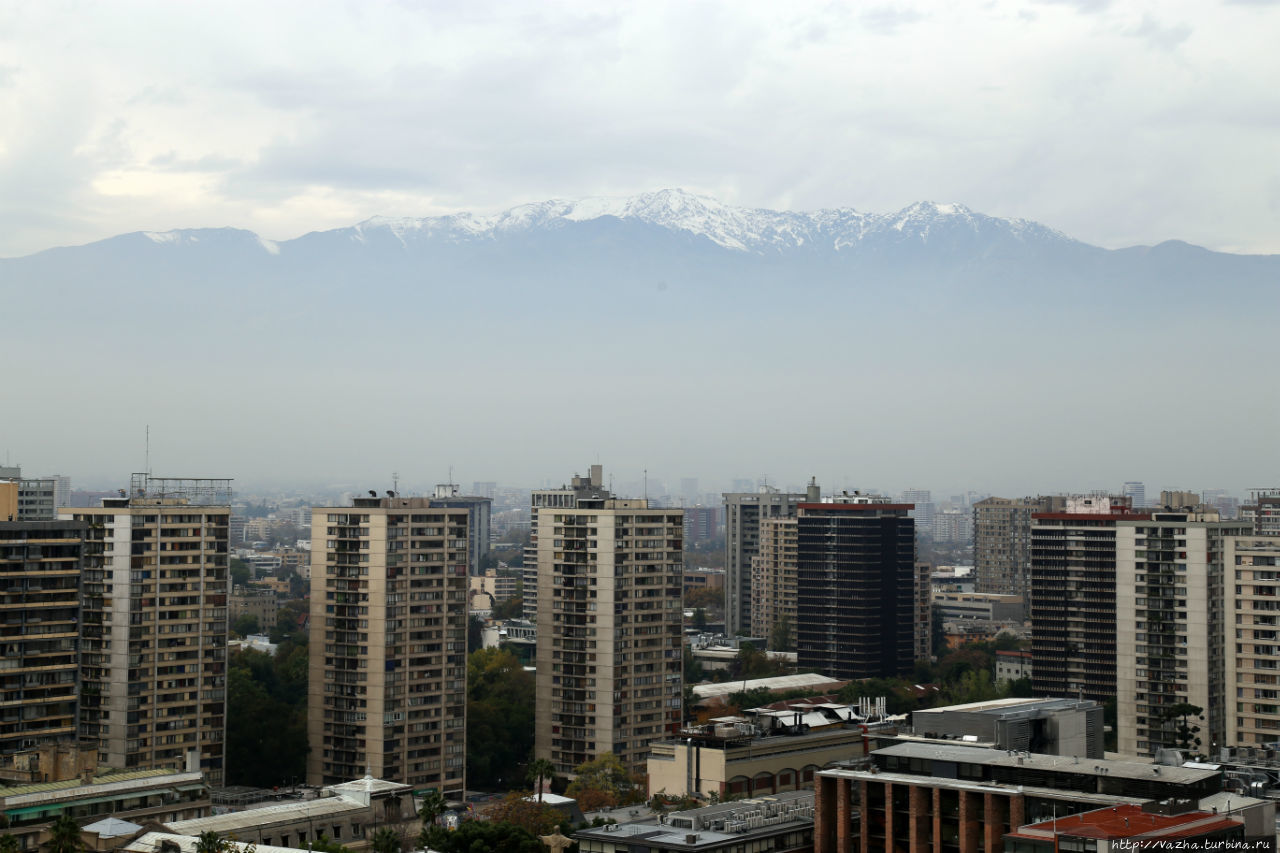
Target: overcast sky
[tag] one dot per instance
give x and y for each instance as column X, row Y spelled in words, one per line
column 1116, row 122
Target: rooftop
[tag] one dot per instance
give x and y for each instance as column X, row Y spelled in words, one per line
column 781, row 682
column 713, row 825
column 1002, row 758
column 1128, row 821
column 266, row 815
column 109, row 783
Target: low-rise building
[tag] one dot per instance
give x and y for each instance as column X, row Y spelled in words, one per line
column 139, row 796
column 1012, row 665
column 1176, row 825
column 918, row 796
column 762, row 751
column 1048, row 726
column 348, row 813
column 989, row 606
column 774, row 824
column 262, row 604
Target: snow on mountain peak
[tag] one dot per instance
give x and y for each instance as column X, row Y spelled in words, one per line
column 738, row 228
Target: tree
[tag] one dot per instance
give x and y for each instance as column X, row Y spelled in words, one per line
column 500, row 718
column 245, row 624
column 539, row 769
column 267, row 715
column 9, row 843
column 520, row 809
column 509, row 608
column 1185, row 733
column 385, row 840
column 433, row 805
column 750, row 662
column 239, row 570
column 704, row 597
column 64, row 836
column 325, row 844
column 780, row 635
column 602, row 783
column 475, row 632
column 481, row 835
column 693, row 671
column 700, row 619
column 211, row 842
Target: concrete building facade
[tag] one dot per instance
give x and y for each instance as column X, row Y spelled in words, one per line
column 1002, row 542
column 589, row 488
column 387, row 686
column 1252, row 640
column 743, row 512
column 609, row 630
column 40, row 564
column 153, row 665
column 1170, row 626
column 773, row 580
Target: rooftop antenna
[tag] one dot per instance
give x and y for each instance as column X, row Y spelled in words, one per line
column 147, row 459
column 395, row 482
column 646, row 484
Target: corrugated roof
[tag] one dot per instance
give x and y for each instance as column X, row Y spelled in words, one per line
column 781, row 682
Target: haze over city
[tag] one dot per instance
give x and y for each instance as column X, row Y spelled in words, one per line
column 1115, row 124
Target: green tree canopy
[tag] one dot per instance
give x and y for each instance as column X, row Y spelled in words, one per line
column 500, row 718
column 601, row 783
column 386, row 840
column 481, row 836
column 64, row 836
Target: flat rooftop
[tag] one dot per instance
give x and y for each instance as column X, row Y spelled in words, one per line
column 1002, row 758
column 1128, row 821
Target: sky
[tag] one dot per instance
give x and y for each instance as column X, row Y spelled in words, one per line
column 1119, row 123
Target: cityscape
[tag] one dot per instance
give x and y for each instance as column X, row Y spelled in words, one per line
column 799, row 669
column 639, row 427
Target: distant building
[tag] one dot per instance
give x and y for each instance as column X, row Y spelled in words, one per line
column 1263, row 512
column 262, row 604
column 1045, row 726
column 1012, row 665
column 1136, row 493
column 1002, row 543
column 479, row 513
column 979, row 605
column 743, row 512
column 773, row 580
column 1253, row 663
column 923, row 509
column 701, row 524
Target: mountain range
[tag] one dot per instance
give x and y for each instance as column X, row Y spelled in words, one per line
column 934, row 301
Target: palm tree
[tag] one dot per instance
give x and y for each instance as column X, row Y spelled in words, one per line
column 211, row 842
column 539, row 769
column 433, row 805
column 385, row 840
column 64, row 836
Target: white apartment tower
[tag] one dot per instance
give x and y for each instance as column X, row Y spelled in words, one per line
column 609, row 630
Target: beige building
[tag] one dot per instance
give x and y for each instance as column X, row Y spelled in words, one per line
column 153, row 666
column 1170, row 621
column 39, row 624
column 1002, row 542
column 1252, row 639
column 262, row 604
column 737, row 756
column 388, row 672
column 773, row 579
column 8, row 500
column 743, row 512
column 609, row 630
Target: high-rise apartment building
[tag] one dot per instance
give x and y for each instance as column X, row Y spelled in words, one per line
column 1073, row 598
column 480, row 512
column 1263, row 512
column 39, row 498
column 856, row 588
column 1002, row 542
column 773, row 581
column 1179, row 499
column 590, row 488
column 40, row 564
column 153, row 665
column 387, row 691
column 609, row 630
column 743, row 512
column 1252, row 639
column 1171, row 621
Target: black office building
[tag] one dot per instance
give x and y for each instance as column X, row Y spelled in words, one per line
column 855, row 589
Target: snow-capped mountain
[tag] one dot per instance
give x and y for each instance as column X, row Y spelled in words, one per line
column 757, row 230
